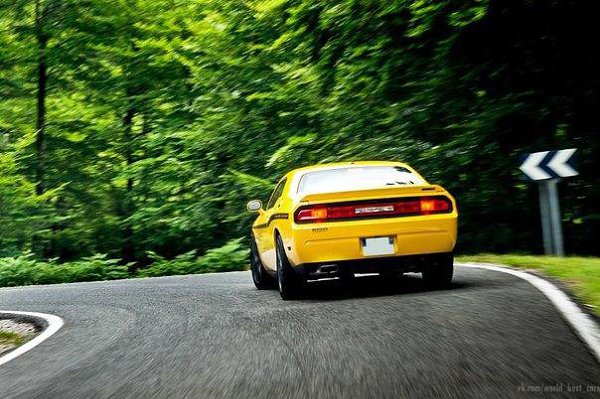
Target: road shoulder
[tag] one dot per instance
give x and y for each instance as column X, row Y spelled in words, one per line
column 583, row 324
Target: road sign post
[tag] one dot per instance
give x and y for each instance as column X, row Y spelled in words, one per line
column 547, row 168
column 551, row 220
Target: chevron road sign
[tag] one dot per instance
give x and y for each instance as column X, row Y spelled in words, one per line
column 547, row 168
column 549, row 164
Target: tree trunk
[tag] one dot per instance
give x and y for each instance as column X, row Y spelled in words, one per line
column 39, row 244
column 128, row 249
column 40, row 125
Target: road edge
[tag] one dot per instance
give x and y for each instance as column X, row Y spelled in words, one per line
column 51, row 322
column 584, row 326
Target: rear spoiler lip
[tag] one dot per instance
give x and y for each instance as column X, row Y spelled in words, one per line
column 385, row 192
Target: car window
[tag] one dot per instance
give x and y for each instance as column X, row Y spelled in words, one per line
column 356, row 178
column 276, row 194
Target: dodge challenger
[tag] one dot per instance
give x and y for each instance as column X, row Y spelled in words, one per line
column 342, row 219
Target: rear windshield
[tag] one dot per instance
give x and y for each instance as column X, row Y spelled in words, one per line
column 356, row 178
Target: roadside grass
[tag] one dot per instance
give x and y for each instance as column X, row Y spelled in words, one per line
column 580, row 274
column 11, row 338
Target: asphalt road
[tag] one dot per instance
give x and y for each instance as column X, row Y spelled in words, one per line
column 215, row 336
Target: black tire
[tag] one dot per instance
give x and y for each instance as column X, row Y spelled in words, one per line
column 261, row 278
column 438, row 273
column 289, row 283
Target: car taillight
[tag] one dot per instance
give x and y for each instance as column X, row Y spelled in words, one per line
column 436, row 205
column 311, row 215
column 360, row 210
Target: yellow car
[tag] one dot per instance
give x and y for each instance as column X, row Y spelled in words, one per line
column 341, row 219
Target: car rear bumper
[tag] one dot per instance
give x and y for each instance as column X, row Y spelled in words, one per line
column 333, row 242
column 405, row 264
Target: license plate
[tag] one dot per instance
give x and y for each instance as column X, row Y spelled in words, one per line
column 377, row 246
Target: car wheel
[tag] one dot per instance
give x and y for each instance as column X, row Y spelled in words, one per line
column 262, row 280
column 288, row 281
column 438, row 272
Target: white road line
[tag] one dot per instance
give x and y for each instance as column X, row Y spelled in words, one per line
column 54, row 324
column 583, row 324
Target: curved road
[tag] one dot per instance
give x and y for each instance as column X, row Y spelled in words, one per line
column 215, row 336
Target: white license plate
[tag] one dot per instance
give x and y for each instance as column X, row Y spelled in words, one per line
column 377, row 246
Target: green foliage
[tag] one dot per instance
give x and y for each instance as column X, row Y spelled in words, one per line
column 162, row 118
column 26, row 270
column 230, row 257
column 19, row 209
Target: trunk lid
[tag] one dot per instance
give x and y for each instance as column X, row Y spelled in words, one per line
column 372, row 194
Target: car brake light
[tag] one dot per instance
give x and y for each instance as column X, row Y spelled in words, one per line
column 435, row 205
column 396, row 207
column 311, row 214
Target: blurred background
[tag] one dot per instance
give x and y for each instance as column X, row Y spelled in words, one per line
column 132, row 132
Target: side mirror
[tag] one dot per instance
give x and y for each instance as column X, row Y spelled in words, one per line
column 254, row 206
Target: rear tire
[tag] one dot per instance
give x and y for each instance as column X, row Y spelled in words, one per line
column 261, row 278
column 438, row 273
column 288, row 281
